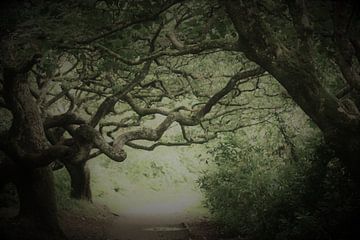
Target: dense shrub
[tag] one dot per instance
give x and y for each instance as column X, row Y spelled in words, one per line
column 258, row 195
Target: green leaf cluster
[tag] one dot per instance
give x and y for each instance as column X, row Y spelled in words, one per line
column 258, row 195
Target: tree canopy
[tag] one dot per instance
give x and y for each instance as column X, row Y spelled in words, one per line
column 83, row 78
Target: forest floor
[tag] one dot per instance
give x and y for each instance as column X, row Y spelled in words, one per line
column 109, row 226
column 102, row 224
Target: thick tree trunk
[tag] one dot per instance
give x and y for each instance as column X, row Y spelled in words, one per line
column 80, row 181
column 38, row 212
column 294, row 68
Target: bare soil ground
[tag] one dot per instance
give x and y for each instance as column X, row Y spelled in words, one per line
column 104, row 225
column 108, row 226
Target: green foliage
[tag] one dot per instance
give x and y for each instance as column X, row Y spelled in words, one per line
column 156, row 182
column 261, row 196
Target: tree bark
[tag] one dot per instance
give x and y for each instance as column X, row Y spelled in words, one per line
column 294, row 68
column 35, row 186
column 38, row 210
column 80, row 181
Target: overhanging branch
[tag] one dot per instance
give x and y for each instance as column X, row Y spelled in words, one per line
column 62, row 120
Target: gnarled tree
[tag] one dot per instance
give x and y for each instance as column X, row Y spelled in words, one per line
column 90, row 73
column 293, row 46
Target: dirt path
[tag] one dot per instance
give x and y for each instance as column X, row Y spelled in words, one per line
column 107, row 226
column 149, row 227
column 138, row 227
column 153, row 216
